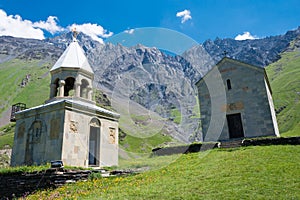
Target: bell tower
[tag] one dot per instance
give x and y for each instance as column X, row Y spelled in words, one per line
column 69, row 126
column 72, row 75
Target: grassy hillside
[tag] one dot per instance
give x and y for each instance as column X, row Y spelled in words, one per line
column 11, row 76
column 284, row 76
column 7, row 136
column 269, row 172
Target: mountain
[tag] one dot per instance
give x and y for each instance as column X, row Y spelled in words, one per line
column 259, row 52
column 143, row 82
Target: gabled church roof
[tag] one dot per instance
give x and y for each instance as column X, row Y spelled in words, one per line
column 73, row 57
column 231, row 60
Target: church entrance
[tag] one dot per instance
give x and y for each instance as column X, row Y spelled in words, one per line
column 235, row 125
column 94, row 143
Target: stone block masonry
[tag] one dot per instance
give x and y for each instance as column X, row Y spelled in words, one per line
column 198, row 147
column 14, row 185
column 20, row 184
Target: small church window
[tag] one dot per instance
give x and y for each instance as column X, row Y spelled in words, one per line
column 228, row 84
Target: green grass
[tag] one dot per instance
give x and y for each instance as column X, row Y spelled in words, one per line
column 143, row 133
column 34, row 168
column 285, row 83
column 22, row 169
column 175, row 115
column 148, row 161
column 12, row 73
column 7, row 135
column 293, row 132
column 143, row 145
column 261, row 172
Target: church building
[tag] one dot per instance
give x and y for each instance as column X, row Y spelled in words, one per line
column 69, row 126
column 236, row 102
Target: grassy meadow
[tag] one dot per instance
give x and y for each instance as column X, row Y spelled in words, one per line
column 260, row 172
column 285, row 83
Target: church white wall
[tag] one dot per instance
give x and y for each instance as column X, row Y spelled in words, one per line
column 109, row 140
column 76, row 139
column 63, row 135
column 38, row 145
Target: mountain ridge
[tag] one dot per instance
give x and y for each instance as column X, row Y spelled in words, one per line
column 161, row 83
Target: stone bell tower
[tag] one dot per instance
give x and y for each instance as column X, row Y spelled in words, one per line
column 69, row 126
column 72, row 75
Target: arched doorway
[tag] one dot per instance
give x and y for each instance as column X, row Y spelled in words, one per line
column 94, row 143
column 35, row 143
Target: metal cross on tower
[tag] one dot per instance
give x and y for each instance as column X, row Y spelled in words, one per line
column 75, row 33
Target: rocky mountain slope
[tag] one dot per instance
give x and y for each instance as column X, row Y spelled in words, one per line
column 259, row 52
column 160, row 83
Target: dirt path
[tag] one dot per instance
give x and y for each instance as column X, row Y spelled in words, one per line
column 5, row 118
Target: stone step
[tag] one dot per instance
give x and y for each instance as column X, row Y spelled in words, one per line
column 230, row 144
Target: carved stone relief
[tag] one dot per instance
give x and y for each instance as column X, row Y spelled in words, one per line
column 73, row 127
column 36, row 131
column 112, row 135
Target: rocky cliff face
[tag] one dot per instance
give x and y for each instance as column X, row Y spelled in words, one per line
column 159, row 82
column 259, row 52
column 11, row 48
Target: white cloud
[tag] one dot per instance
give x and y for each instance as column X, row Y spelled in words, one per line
column 246, row 36
column 185, row 15
column 50, row 25
column 95, row 31
column 130, row 31
column 17, row 27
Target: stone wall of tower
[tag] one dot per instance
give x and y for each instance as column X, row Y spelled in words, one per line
column 75, row 150
column 38, row 136
column 248, row 96
column 61, row 131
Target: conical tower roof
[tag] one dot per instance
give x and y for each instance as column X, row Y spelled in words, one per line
column 73, row 57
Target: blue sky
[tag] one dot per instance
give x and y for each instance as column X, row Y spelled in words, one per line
column 198, row 19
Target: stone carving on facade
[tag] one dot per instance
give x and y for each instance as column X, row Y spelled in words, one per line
column 35, row 131
column 112, row 135
column 73, row 127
